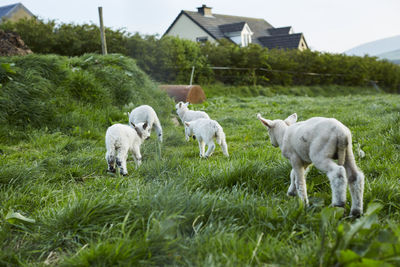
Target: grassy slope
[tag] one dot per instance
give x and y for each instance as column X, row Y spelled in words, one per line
column 184, row 210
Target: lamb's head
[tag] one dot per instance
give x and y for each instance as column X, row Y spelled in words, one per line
column 181, row 107
column 188, row 131
column 276, row 128
column 142, row 129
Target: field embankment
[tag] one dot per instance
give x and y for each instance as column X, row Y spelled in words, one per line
column 76, row 95
column 59, row 207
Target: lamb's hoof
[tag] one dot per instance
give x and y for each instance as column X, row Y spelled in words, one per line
column 355, row 213
column 291, row 193
column 338, row 205
column 111, row 170
column 124, row 173
column 194, row 137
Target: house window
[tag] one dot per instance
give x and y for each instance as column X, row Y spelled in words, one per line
column 202, row 39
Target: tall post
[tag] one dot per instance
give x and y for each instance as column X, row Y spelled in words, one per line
column 102, row 32
column 191, row 76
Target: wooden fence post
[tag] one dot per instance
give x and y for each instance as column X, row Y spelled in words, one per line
column 191, row 76
column 102, row 32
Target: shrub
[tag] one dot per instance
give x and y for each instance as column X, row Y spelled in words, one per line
column 65, row 39
column 54, row 91
column 170, row 59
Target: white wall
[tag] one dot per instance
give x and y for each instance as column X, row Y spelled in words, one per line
column 185, row 28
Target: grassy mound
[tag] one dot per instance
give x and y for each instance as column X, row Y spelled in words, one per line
column 84, row 94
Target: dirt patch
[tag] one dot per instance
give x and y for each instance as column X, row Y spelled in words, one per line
column 11, row 44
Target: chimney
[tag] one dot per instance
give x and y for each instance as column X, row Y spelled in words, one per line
column 205, row 11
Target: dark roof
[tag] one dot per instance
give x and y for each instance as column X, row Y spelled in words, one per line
column 4, row 10
column 218, row 25
column 290, row 41
column 232, row 27
column 211, row 24
column 9, row 9
column 277, row 31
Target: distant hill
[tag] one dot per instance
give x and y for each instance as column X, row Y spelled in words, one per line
column 388, row 48
column 392, row 55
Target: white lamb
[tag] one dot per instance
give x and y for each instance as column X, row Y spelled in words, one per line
column 319, row 141
column 187, row 115
column 204, row 130
column 147, row 114
column 121, row 139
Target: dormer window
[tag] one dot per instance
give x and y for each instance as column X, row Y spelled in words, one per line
column 239, row 33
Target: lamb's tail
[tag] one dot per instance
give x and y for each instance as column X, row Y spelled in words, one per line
column 221, row 140
column 343, row 143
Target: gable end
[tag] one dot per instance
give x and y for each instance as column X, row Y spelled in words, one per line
column 193, row 20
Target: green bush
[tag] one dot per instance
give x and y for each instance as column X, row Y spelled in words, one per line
column 170, row 59
column 65, row 39
column 54, row 91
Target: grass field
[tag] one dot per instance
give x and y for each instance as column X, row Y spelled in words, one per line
column 181, row 209
column 60, row 207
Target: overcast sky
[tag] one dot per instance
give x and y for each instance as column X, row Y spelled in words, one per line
column 328, row 25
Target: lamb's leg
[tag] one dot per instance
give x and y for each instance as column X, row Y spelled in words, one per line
column 187, row 137
column 224, row 147
column 356, row 185
column 292, row 188
column 110, row 158
column 137, row 156
column 337, row 178
column 300, row 180
column 121, row 161
column 202, row 147
column 211, row 148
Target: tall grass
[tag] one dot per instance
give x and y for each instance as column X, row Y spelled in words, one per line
column 74, row 94
column 60, row 207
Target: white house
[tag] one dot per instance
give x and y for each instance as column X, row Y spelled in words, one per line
column 203, row 26
column 14, row 12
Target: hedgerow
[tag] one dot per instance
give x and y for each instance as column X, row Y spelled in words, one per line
column 170, row 60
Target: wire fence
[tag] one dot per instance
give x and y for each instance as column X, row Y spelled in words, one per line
column 295, row 74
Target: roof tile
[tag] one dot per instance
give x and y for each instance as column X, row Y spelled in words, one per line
column 264, row 33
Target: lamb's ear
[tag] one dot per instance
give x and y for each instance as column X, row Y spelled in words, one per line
column 180, row 104
column 291, row 119
column 187, row 104
column 187, row 123
column 145, row 126
column 266, row 122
